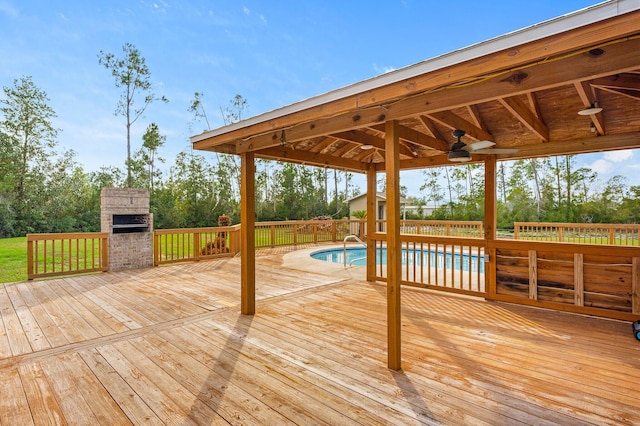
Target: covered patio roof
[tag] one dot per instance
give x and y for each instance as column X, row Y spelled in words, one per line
column 522, row 90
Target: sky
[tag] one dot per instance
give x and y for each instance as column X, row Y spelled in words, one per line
column 273, row 53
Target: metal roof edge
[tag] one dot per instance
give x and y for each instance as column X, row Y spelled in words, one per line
column 582, row 17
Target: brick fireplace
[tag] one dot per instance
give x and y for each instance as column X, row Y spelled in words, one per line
column 124, row 214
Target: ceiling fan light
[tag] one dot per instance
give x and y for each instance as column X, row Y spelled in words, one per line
column 459, row 156
column 592, row 110
column 366, row 147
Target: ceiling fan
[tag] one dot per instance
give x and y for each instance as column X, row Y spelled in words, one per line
column 461, row 152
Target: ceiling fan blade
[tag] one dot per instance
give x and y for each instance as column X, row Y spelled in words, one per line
column 475, row 146
column 496, row 151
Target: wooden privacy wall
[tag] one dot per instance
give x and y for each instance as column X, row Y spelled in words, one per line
column 588, row 279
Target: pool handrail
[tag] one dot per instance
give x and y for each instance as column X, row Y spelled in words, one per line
column 344, row 248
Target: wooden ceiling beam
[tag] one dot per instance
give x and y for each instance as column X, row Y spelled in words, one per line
column 577, row 146
column 527, row 117
column 431, row 128
column 633, row 94
column 621, row 81
column 312, row 159
column 326, row 143
column 620, row 57
column 588, row 97
column 623, row 84
column 361, row 138
column 348, row 147
column 535, row 106
column 416, row 137
column 453, row 121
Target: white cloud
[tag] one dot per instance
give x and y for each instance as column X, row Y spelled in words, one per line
column 382, row 69
column 246, row 10
column 8, row 8
column 618, row 156
column 601, row 166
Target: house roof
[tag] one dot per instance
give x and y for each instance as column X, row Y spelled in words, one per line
column 521, row 90
column 379, row 195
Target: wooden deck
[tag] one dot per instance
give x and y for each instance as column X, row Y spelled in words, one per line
column 167, row 345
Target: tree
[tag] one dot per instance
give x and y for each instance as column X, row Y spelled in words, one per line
column 148, row 155
column 27, row 142
column 132, row 74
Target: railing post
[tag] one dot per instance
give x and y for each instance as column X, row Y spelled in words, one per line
column 295, row 234
column 30, row 271
column 105, row 252
column 196, row 245
column 315, row 233
column 612, row 236
column 334, row 231
column 156, row 249
column 273, row 235
column 516, row 230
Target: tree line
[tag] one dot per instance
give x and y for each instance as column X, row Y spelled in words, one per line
column 533, row 190
column 45, row 190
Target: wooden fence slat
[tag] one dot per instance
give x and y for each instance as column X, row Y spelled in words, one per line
column 578, row 279
column 533, row 275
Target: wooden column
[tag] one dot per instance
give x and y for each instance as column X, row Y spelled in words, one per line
column 490, row 201
column 394, row 246
column 247, row 234
column 371, row 222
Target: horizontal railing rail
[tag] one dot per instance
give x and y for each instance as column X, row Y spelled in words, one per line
column 582, row 233
column 192, row 244
column 442, row 228
column 452, row 264
column 295, row 232
column 50, row 255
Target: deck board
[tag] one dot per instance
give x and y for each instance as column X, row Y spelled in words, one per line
column 168, row 345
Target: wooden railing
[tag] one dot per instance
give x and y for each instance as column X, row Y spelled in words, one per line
column 583, row 233
column 50, row 255
column 450, row 264
column 181, row 245
column 271, row 234
column 442, row 228
column 581, row 278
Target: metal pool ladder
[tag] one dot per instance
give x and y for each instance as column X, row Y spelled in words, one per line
column 344, row 249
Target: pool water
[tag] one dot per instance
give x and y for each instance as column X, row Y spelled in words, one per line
column 442, row 259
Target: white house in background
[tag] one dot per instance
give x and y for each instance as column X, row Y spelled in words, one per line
column 359, row 202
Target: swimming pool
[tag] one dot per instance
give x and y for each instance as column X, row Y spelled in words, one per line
column 441, row 259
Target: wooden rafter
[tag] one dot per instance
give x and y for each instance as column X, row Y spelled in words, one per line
column 310, row 158
column 520, row 110
column 348, row 147
column 453, row 121
column 587, row 95
column 321, row 146
column 624, row 84
column 416, row 138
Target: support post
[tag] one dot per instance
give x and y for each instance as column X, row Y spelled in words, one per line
column 247, row 232
column 490, row 223
column 371, row 223
column 394, row 245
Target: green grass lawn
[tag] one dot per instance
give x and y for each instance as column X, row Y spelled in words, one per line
column 13, row 259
